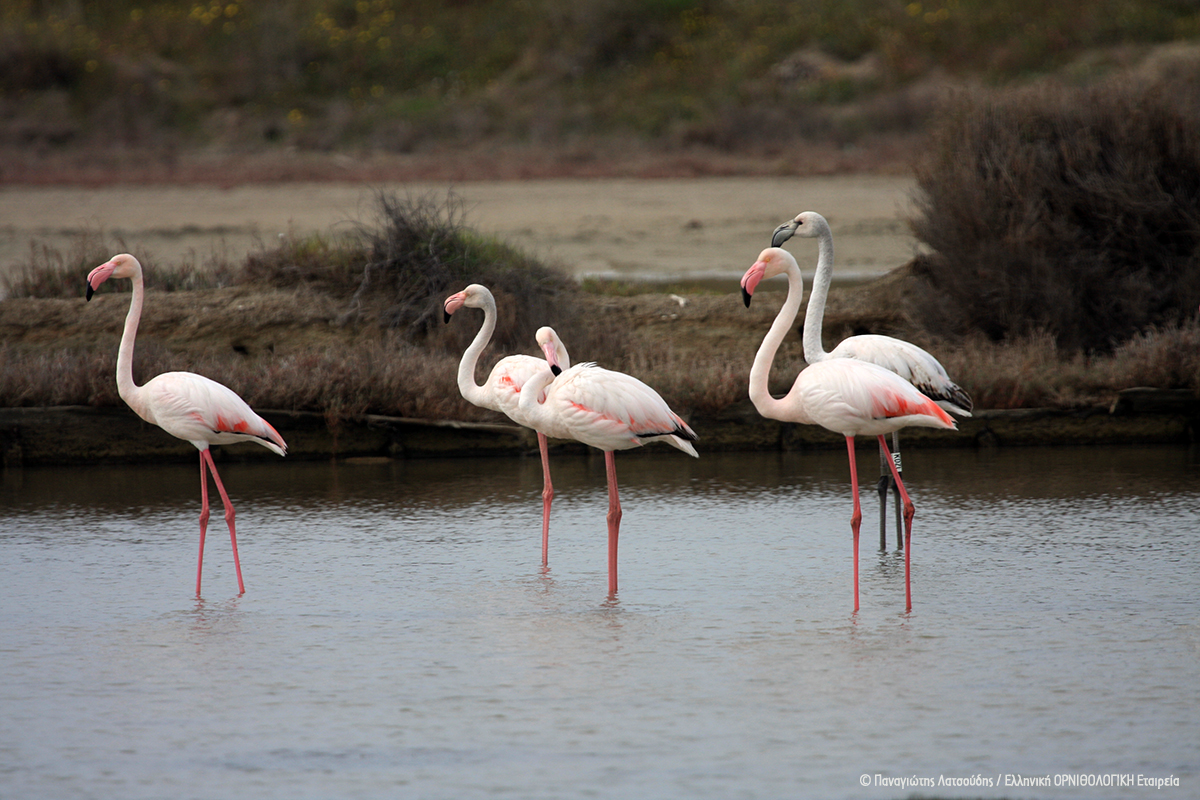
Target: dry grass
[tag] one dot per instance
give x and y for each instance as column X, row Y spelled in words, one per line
column 389, row 375
column 1033, row 371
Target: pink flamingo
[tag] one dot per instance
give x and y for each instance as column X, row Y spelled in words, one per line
column 842, row 395
column 502, row 390
column 188, row 406
column 605, row 409
column 910, row 362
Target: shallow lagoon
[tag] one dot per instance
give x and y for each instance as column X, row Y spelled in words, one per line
column 399, row 638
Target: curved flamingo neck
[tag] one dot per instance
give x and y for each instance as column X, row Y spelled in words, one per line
column 473, row 392
column 760, row 393
column 130, row 391
column 531, row 402
column 814, row 316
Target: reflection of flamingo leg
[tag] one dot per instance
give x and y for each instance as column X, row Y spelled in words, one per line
column 614, row 519
column 909, row 512
column 547, row 496
column 856, row 516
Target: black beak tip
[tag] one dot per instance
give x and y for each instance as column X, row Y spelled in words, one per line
column 781, row 235
column 746, row 297
column 446, row 316
column 556, row 369
column 89, row 293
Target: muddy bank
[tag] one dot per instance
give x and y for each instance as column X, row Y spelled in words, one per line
column 87, row 435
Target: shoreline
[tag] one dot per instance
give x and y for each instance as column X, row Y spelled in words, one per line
column 61, row 435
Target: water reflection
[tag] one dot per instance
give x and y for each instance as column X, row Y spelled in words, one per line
column 399, row 637
column 1145, row 474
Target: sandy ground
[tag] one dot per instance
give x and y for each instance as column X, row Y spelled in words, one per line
column 688, row 229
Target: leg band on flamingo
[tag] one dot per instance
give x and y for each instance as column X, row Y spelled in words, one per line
column 909, row 512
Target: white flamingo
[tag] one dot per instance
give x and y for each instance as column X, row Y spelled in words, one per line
column 186, row 405
column 905, row 359
column 502, row 389
column 842, row 395
column 605, row 409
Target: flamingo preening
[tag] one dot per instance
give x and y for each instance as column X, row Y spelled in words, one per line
column 186, row 405
column 502, row 389
column 905, row 359
column 842, row 395
column 605, row 409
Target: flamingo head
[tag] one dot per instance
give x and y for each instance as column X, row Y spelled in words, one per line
column 771, row 262
column 807, row 224
column 552, row 346
column 474, row 296
column 122, row 266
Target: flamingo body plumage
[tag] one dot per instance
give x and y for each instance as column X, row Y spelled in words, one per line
column 607, row 410
column 186, row 405
column 846, row 396
column 501, row 391
column 201, row 411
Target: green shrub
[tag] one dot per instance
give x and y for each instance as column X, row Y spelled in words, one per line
column 1073, row 212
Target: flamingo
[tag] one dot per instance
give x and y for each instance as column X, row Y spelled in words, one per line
column 502, row 389
column 905, row 359
column 842, row 395
column 604, row 409
column 186, row 405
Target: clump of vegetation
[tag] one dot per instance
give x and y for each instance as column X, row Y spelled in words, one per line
column 404, row 77
column 1069, row 212
column 420, row 251
column 396, row 270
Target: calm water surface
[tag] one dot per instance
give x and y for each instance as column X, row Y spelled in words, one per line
column 398, row 637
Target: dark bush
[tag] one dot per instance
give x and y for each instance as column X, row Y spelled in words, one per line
column 419, row 252
column 1074, row 212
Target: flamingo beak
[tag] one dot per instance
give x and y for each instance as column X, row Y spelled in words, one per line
column 783, row 233
column 453, row 303
column 751, row 280
column 98, row 276
column 552, row 358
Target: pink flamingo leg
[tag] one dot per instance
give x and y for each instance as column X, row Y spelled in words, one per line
column 614, row 519
column 229, row 517
column 203, row 518
column 856, row 517
column 547, row 496
column 909, row 512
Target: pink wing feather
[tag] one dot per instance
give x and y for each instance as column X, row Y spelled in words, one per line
column 200, row 410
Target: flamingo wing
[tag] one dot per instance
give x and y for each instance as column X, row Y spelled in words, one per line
column 614, row 411
column 204, row 412
column 855, row 397
column 910, row 362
